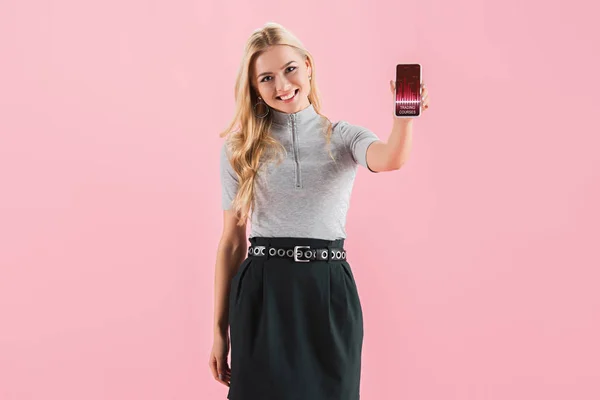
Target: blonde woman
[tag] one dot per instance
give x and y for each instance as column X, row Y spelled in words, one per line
column 289, row 299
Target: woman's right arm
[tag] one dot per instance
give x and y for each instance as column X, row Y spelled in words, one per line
column 232, row 250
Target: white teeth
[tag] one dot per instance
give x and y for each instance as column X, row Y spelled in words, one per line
column 288, row 97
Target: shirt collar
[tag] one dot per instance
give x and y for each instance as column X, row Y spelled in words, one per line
column 306, row 115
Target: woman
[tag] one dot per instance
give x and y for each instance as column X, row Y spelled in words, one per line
column 290, row 299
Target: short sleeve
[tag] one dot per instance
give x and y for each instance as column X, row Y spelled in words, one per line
column 357, row 139
column 229, row 180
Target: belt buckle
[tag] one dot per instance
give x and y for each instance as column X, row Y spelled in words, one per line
column 296, row 253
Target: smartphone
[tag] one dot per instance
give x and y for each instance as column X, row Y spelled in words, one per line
column 407, row 101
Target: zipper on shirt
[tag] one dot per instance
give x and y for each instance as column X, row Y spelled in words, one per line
column 295, row 150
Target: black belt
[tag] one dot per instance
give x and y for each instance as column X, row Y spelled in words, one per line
column 299, row 253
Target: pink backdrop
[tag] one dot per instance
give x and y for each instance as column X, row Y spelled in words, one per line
column 476, row 263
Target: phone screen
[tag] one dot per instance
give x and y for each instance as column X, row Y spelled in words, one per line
column 408, row 90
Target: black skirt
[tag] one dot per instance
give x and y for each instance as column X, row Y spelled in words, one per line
column 296, row 328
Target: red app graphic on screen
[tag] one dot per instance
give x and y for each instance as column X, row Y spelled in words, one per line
column 407, row 102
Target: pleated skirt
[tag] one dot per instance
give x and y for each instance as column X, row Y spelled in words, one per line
column 296, row 328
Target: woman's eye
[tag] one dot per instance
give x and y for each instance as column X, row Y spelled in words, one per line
column 263, row 80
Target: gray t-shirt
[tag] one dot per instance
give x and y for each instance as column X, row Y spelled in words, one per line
column 307, row 195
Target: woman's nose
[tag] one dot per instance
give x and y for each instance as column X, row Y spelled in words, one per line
column 282, row 85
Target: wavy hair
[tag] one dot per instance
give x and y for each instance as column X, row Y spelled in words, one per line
column 248, row 139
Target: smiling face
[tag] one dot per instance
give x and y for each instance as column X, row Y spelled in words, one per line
column 280, row 72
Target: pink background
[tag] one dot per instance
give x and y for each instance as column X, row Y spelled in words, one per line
column 476, row 263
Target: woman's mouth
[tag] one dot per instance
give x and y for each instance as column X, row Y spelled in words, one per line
column 287, row 100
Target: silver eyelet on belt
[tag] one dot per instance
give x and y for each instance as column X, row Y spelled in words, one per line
column 290, row 253
column 344, row 255
column 324, row 253
column 281, row 252
column 273, row 252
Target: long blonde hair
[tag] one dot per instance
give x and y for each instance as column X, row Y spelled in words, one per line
column 251, row 140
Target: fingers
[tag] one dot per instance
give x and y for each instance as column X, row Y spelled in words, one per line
column 224, row 375
column 220, row 371
column 212, row 363
column 424, row 97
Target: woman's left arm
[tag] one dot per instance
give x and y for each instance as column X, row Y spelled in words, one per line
column 391, row 155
